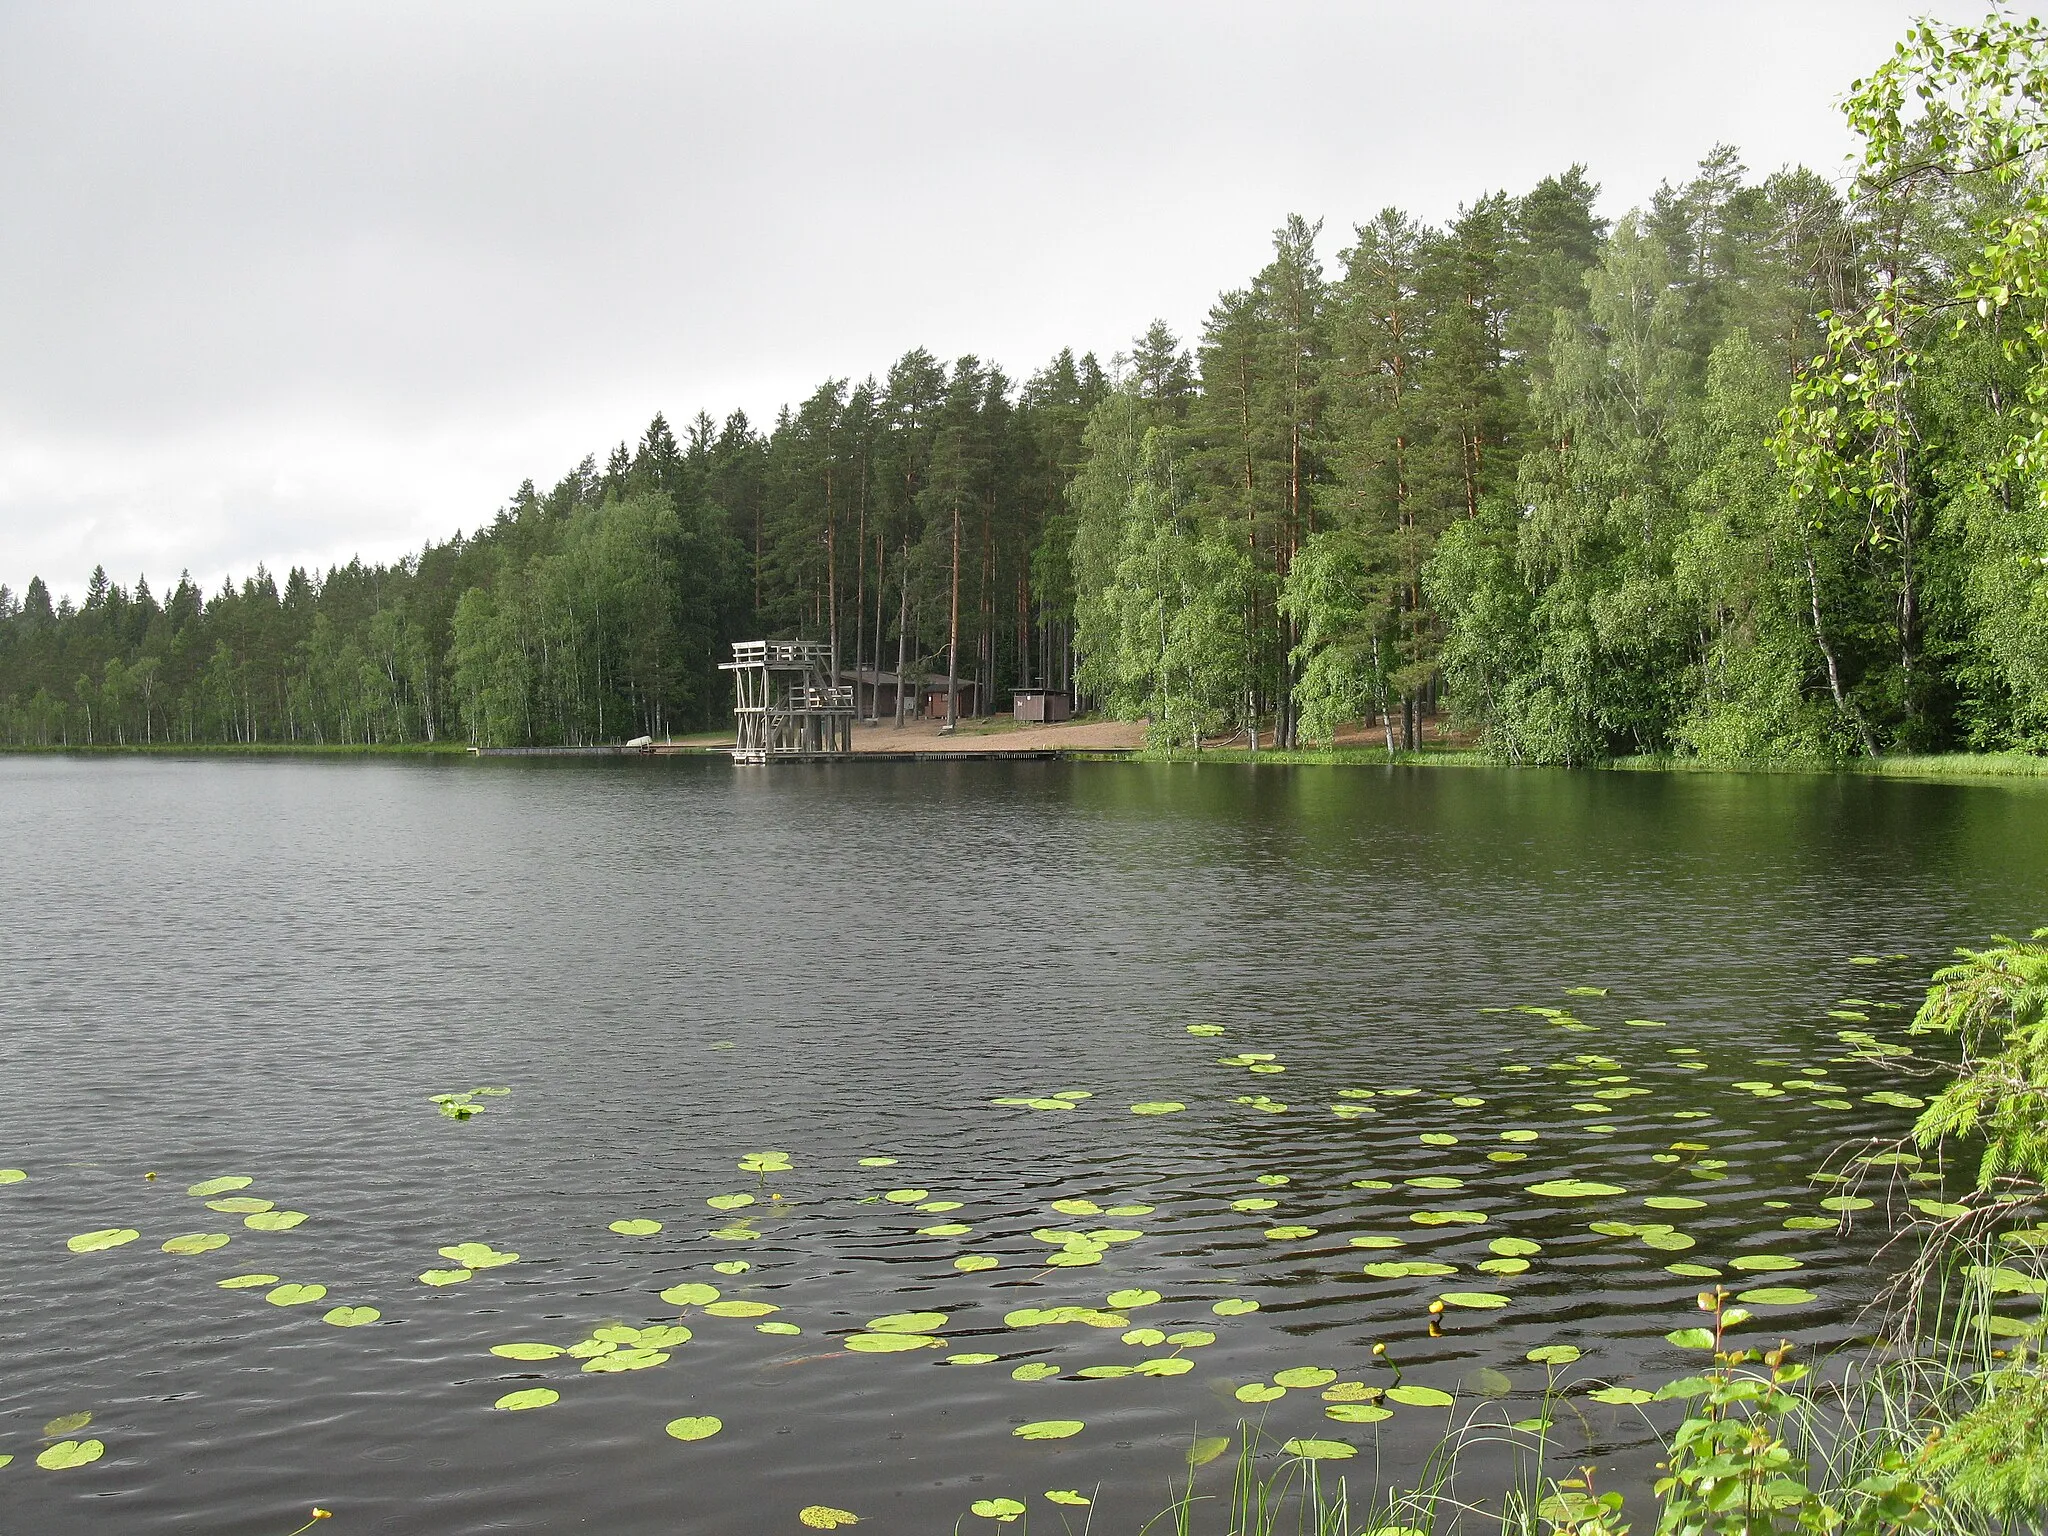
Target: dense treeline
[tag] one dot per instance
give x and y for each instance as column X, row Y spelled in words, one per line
column 906, row 523
column 1754, row 472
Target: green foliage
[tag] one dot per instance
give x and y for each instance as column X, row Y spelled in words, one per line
column 1995, row 1003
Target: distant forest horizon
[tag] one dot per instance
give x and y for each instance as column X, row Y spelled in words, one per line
column 1748, row 474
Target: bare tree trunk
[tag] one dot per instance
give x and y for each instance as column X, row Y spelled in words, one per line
column 953, row 632
column 902, row 627
column 1843, row 705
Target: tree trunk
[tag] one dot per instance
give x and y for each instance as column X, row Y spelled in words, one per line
column 953, row 632
column 902, row 627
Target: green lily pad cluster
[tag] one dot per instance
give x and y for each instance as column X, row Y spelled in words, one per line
column 463, row 1105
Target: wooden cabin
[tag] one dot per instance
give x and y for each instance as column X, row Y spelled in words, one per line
column 1040, row 706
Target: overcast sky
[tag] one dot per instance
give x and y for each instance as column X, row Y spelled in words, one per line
column 289, row 283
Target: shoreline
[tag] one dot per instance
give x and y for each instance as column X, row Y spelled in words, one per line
column 1000, row 745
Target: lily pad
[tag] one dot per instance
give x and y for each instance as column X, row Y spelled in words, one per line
column 219, row 1186
column 972, row 1358
column 789, row 1329
column 1482, row 1301
column 70, row 1453
column 1005, row 1510
column 890, row 1343
column 823, row 1517
column 1036, row 1370
column 1775, row 1296
column 1125, row 1299
column 1049, row 1429
column 245, row 1282
column 1553, row 1354
column 105, row 1237
column 731, row 1267
column 68, row 1423
column 878, row 1162
column 690, row 1294
column 1234, row 1306
column 1320, row 1450
column 197, row 1242
column 274, row 1221
column 523, row 1351
column 1259, row 1392
column 905, row 1322
column 1514, row 1247
column 907, row 1196
column 294, row 1295
column 739, row 1308
column 695, row 1427
column 1158, row 1107
column 351, row 1317
column 1415, row 1396
column 732, row 1202
column 1304, row 1376
column 445, row 1276
column 1620, row 1397
column 636, row 1226
column 241, row 1205
column 1758, row 1262
column 968, row 1263
column 1574, row 1189
column 1067, row 1496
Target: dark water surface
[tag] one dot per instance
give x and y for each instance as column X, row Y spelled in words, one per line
column 265, row 967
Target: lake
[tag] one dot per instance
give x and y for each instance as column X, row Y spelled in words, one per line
column 262, row 969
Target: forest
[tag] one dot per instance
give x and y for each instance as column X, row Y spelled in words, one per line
column 1752, row 473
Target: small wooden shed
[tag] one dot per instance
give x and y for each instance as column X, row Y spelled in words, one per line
column 1040, row 706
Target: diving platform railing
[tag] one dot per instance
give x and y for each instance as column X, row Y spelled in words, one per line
column 787, row 704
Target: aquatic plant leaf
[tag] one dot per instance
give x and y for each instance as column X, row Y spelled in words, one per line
column 1259, row 1392
column 731, row 1202
column 739, row 1308
column 738, row 1232
column 1514, row 1247
column 1253, row 1204
column 197, row 1242
column 351, row 1317
column 890, row 1343
column 1077, row 1207
column 524, row 1351
column 1502, row 1266
column 1234, row 1306
column 1106, row 1372
column 1384, row 1242
column 105, row 1237
column 1205, row 1029
column 972, row 1359
column 1692, row 1271
column 1674, row 1203
column 294, row 1295
column 945, row 1229
column 1304, row 1376
column 1845, row 1203
column 1437, row 1139
column 1036, row 1370
column 1285, row 1234
column 907, row 1196
column 1075, row 1258
column 1401, row 1269
column 1668, row 1242
column 245, row 1282
column 68, row 1423
column 765, row 1162
column 1755, row 1262
column 780, row 1328
column 1412, row 1395
column 823, row 1517
column 1144, row 1337
column 1574, row 1189
column 968, row 1263
column 1067, row 1496
column 904, row 1322
column 627, row 1360
column 1895, row 1099
column 1481, row 1301
column 1435, row 1181
column 878, row 1162
column 1319, row 1450
column 1206, row 1448
column 1553, row 1354
column 934, row 1207
column 1621, row 1397
column 1811, row 1223
column 690, row 1294
column 13, row 1176
column 1447, row 1218
column 1159, row 1107
column 1130, row 1210
column 1521, row 1135
column 445, row 1276
column 70, row 1453
column 1775, row 1296
column 241, row 1205
column 636, row 1226
column 274, row 1221
column 1125, row 1299
column 1004, row 1510
column 1170, row 1365
column 1585, row 991
column 1690, row 1338
column 1357, row 1413
column 694, row 1427
column 1191, row 1338
column 1049, row 1429
column 219, row 1186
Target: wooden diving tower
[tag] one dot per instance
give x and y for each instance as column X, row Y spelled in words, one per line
column 787, row 703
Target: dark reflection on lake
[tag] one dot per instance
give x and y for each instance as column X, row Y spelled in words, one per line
column 265, row 967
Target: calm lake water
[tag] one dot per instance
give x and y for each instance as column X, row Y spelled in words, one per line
column 265, row 968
